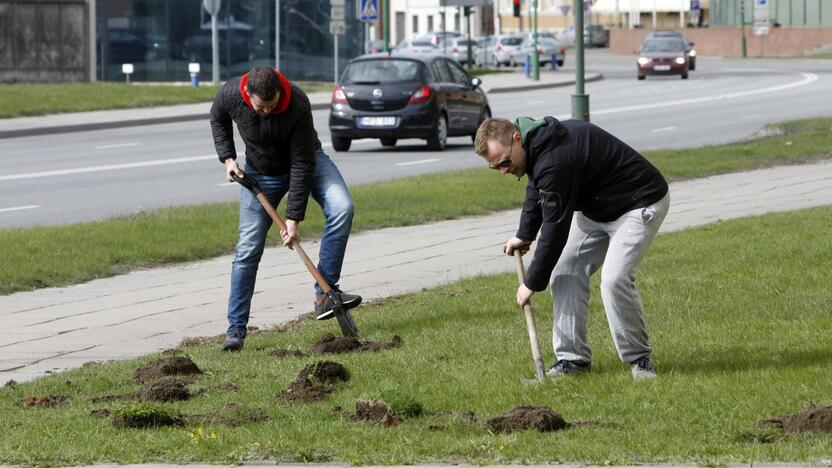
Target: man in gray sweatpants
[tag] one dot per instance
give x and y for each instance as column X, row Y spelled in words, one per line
column 594, row 201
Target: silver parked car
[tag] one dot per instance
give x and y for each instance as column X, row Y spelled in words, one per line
column 416, row 46
column 504, row 46
column 485, row 51
column 457, row 48
column 546, row 49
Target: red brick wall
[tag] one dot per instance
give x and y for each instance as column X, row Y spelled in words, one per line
column 726, row 41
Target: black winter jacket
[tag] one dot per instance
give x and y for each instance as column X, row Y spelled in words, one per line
column 278, row 144
column 577, row 166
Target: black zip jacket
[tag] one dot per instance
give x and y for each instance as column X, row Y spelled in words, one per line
column 577, row 166
column 279, row 144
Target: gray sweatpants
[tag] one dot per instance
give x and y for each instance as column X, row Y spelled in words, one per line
column 620, row 246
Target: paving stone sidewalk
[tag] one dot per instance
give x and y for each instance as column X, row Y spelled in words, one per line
column 146, row 311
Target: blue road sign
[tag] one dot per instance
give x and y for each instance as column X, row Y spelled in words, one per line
column 369, row 10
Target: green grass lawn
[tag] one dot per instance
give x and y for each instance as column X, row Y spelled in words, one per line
column 54, row 256
column 738, row 313
column 30, row 99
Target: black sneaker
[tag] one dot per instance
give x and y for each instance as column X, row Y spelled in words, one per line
column 324, row 308
column 233, row 343
column 564, row 367
column 642, row 369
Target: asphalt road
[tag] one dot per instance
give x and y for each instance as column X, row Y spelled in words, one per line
column 85, row 176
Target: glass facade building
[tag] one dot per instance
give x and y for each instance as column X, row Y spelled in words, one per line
column 161, row 37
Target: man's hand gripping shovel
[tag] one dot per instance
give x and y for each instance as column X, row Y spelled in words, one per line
column 345, row 321
column 527, row 310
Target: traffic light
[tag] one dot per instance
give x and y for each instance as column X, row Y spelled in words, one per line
column 517, row 8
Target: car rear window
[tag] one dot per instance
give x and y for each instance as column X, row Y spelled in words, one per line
column 511, row 41
column 381, row 71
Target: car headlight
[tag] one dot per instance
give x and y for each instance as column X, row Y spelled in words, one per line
column 643, row 60
column 680, row 60
column 692, row 53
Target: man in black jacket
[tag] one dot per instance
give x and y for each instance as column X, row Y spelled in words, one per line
column 284, row 155
column 594, row 201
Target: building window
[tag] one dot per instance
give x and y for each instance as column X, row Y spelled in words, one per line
column 415, row 24
column 430, row 24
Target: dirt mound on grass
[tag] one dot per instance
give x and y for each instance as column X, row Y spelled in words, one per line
column 813, row 418
column 176, row 365
column 377, row 412
column 330, row 344
column 165, row 389
column 307, row 387
column 527, row 417
column 44, row 401
column 282, row 352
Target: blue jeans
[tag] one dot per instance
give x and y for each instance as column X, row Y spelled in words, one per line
column 331, row 193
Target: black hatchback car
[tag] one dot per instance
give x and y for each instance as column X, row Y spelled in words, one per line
column 389, row 97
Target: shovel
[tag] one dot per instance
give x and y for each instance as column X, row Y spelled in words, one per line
column 345, row 321
column 527, row 310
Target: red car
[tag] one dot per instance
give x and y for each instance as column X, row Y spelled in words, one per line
column 663, row 56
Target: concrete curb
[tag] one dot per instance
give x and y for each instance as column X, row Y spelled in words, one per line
column 204, row 116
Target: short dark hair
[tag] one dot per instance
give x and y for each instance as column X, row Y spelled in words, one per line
column 263, row 82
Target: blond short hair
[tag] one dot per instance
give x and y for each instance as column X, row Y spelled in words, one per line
column 493, row 129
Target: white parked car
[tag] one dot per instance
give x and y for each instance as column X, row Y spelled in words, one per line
column 546, row 49
column 417, row 46
column 504, row 46
column 457, row 48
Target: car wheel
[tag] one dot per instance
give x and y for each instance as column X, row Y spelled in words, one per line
column 388, row 142
column 641, row 77
column 341, row 143
column 685, row 75
column 439, row 139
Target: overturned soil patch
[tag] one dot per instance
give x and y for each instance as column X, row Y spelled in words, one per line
column 140, row 421
column 813, row 418
column 231, row 414
column 282, row 353
column 308, row 387
column 176, row 365
column 377, row 412
column 521, row 418
column 44, row 401
column 330, row 344
column 166, row 389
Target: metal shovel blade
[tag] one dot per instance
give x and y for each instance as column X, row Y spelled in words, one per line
column 343, row 316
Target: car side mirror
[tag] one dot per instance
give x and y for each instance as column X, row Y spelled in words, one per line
column 476, row 82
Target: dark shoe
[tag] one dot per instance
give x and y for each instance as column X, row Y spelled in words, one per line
column 642, row 369
column 564, row 367
column 324, row 308
column 233, row 343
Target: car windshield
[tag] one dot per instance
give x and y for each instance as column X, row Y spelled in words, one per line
column 512, row 41
column 663, row 46
column 421, row 44
column 381, row 71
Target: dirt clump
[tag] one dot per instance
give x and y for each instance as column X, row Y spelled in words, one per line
column 811, row 419
column 330, row 344
column 521, row 418
column 165, row 389
column 312, row 382
column 44, row 401
column 140, row 421
column 100, row 413
column 176, row 365
column 282, row 353
column 377, row 412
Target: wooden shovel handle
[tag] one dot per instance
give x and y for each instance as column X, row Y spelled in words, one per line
column 530, row 325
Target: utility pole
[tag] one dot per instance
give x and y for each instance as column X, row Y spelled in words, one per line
column 580, row 101
column 742, row 28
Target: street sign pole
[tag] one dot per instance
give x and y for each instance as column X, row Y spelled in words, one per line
column 535, row 55
column 277, row 34
column 385, row 20
column 580, row 101
column 213, row 9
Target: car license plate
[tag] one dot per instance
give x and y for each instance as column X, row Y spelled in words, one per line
column 377, row 121
column 662, row 67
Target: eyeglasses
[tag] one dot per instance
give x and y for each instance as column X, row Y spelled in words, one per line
column 506, row 161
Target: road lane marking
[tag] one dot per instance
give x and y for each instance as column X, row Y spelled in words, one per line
column 19, row 208
column 110, row 167
column 808, row 78
column 119, row 145
column 413, row 163
column 664, row 129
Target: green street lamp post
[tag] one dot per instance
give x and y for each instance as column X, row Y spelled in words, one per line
column 580, row 101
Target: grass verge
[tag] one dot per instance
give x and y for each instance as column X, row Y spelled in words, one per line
column 190, row 233
column 738, row 313
column 30, row 99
